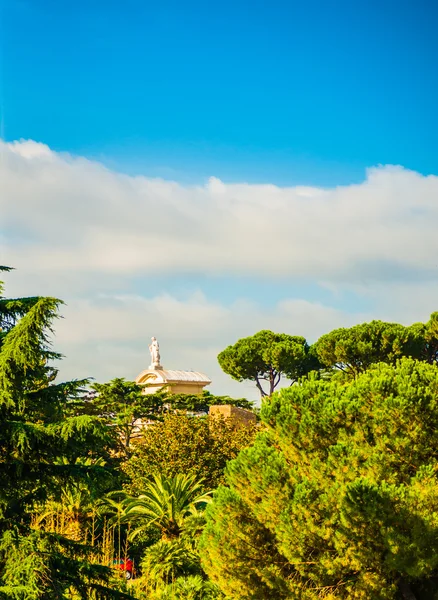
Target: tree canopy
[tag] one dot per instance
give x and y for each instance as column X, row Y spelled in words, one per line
column 121, row 404
column 37, row 429
column 266, row 357
column 199, row 403
column 353, row 350
column 338, row 497
column 429, row 333
column 164, row 503
column 184, row 444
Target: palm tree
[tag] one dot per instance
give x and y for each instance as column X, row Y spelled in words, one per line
column 164, row 561
column 73, row 511
column 192, row 587
column 166, row 503
column 112, row 505
column 115, row 537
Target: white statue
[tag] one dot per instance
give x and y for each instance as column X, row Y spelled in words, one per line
column 154, row 349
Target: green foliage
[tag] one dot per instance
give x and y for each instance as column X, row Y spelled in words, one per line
column 353, row 350
column 429, row 332
column 41, row 447
column 172, row 570
column 165, row 504
column 339, row 497
column 199, row 403
column 267, row 356
column 72, row 509
column 183, row 444
column 336, row 498
column 25, row 351
column 173, row 506
column 193, row 587
column 120, row 404
column 45, row 566
column 171, row 567
column 165, row 561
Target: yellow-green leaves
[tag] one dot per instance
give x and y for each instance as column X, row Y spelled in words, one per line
column 340, row 493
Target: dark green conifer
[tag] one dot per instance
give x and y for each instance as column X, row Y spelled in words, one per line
column 38, row 428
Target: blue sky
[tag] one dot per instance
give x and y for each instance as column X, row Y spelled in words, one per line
column 199, row 171
column 285, row 92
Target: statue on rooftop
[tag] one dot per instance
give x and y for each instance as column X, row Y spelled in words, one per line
column 154, row 349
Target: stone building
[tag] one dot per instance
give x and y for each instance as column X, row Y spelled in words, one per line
column 177, row 382
column 186, row 382
column 239, row 417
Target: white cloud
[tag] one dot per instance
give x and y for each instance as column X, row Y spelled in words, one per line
column 79, row 231
column 71, row 213
column 108, row 336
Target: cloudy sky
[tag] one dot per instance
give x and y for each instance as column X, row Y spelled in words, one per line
column 201, row 174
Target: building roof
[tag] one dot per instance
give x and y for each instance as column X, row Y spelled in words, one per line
column 169, row 376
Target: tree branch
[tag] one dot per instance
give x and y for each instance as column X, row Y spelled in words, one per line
column 258, row 384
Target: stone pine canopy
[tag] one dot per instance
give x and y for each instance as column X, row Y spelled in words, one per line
column 178, row 382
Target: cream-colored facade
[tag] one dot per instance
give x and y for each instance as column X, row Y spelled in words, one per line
column 239, row 417
column 177, row 382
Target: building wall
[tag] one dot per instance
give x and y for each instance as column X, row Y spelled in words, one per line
column 187, row 388
column 182, row 387
column 238, row 416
